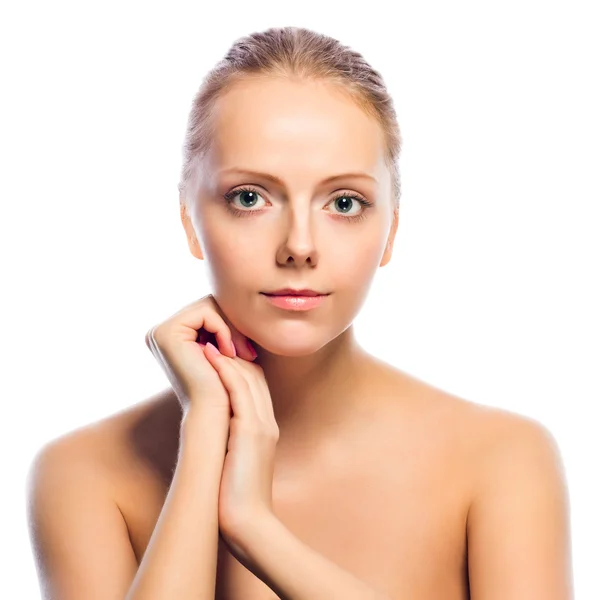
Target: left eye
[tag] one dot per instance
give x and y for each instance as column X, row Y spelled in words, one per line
column 347, row 198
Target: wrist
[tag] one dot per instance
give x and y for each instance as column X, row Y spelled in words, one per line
column 200, row 422
column 253, row 530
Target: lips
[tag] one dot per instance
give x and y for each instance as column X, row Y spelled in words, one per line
column 293, row 292
column 296, row 303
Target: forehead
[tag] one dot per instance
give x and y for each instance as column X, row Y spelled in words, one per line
column 280, row 125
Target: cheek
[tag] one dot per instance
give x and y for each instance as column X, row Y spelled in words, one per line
column 356, row 267
column 223, row 248
column 238, row 265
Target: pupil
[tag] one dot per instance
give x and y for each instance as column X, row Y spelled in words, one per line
column 344, row 200
column 246, row 192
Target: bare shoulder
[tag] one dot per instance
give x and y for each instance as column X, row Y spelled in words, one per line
column 78, row 448
column 498, row 436
column 74, row 486
column 484, row 440
column 486, row 429
column 518, row 516
column 512, row 449
column 144, row 435
column 518, row 519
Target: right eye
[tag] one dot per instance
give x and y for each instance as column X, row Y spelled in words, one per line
column 247, row 195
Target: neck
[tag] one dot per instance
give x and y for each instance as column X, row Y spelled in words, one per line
column 318, row 396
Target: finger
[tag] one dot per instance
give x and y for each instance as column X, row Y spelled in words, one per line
column 249, row 345
column 243, row 347
column 264, row 394
column 238, row 340
column 248, row 371
column 240, row 391
column 198, row 316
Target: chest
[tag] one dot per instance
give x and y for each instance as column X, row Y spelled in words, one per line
column 398, row 524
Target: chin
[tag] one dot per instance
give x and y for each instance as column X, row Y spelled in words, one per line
column 291, row 349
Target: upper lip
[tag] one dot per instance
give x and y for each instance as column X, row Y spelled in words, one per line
column 293, row 292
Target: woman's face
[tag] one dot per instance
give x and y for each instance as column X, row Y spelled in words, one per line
column 301, row 232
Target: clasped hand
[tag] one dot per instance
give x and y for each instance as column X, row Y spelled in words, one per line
column 245, row 494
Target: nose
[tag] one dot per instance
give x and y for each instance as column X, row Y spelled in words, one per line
column 298, row 245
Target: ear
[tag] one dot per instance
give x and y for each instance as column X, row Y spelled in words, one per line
column 387, row 255
column 193, row 244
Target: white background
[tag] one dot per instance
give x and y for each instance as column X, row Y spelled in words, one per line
column 492, row 293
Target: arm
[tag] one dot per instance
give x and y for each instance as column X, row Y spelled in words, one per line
column 79, row 539
column 518, row 523
column 181, row 558
column 81, row 543
column 295, row 571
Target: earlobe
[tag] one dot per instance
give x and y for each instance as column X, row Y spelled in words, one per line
column 193, row 244
column 387, row 255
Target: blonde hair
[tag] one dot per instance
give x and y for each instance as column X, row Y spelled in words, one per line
column 293, row 53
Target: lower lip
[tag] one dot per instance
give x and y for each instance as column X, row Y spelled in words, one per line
column 296, row 302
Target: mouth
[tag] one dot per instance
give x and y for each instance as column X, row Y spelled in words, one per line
column 294, row 292
column 295, row 302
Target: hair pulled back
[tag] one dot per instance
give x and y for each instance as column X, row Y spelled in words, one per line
column 299, row 54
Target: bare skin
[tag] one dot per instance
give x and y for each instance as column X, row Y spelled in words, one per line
column 388, row 501
column 347, row 422
column 384, row 474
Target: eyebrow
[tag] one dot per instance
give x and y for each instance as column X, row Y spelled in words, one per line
column 281, row 182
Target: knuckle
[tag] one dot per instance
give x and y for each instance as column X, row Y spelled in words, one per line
column 156, row 334
column 257, row 369
column 150, row 337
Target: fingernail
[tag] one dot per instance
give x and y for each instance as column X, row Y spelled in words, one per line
column 212, row 348
column 251, row 348
column 233, row 348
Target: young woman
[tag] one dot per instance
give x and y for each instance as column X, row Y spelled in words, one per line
column 286, row 461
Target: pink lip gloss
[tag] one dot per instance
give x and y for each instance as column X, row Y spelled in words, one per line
column 296, row 302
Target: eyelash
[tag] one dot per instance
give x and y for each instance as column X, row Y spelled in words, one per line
column 245, row 213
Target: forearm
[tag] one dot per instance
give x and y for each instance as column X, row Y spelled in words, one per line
column 181, row 558
column 294, row 571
